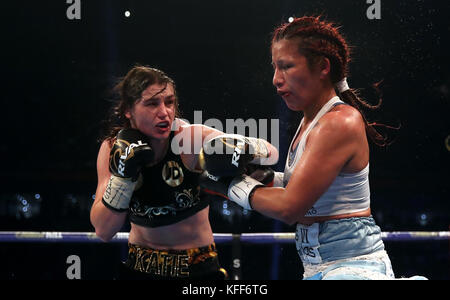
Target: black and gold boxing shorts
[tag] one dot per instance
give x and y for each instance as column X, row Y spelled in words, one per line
column 198, row 263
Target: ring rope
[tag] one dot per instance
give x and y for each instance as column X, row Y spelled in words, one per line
column 255, row 238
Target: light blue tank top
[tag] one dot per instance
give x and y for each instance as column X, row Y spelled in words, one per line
column 348, row 193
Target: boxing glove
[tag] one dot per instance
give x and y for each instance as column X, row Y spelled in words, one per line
column 238, row 189
column 263, row 174
column 228, row 155
column 129, row 154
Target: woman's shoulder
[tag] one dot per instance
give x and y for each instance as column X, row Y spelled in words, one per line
column 105, row 147
column 345, row 118
column 342, row 124
column 107, row 143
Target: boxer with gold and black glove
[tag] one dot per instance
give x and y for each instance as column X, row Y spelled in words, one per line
column 226, row 158
column 237, row 189
column 130, row 153
column 263, row 174
column 230, row 154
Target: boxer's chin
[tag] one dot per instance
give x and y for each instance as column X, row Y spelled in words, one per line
column 156, row 133
column 293, row 106
column 161, row 135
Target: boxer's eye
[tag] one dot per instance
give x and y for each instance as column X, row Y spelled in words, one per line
column 151, row 103
column 286, row 67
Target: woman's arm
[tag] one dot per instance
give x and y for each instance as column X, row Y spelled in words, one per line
column 105, row 221
column 191, row 139
column 330, row 146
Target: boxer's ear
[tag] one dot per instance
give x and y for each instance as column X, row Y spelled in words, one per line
column 324, row 67
column 128, row 114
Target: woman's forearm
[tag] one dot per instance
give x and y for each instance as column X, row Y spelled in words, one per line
column 273, row 202
column 105, row 221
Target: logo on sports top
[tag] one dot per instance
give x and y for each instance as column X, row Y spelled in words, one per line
column 237, row 153
column 172, row 173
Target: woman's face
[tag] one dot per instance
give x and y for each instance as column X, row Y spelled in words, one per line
column 296, row 83
column 154, row 113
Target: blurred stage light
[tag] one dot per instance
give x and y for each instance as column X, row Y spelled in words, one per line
column 291, row 19
column 423, row 219
column 127, row 13
column 225, row 209
column 226, row 212
column 26, row 206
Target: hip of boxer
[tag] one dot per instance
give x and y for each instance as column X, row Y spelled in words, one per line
column 352, row 246
column 195, row 263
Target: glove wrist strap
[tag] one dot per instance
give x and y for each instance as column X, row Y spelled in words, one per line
column 240, row 190
column 278, row 179
column 117, row 195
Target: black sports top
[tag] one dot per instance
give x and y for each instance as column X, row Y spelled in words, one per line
column 168, row 194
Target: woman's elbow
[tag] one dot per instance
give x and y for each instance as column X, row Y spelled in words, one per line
column 103, row 232
column 293, row 209
column 289, row 218
column 291, row 214
column 103, row 235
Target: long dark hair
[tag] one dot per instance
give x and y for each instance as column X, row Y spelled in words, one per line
column 128, row 90
column 317, row 39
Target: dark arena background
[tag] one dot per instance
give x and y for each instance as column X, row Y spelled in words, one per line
column 61, row 59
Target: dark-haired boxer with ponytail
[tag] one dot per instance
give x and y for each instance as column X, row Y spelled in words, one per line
column 324, row 189
column 148, row 168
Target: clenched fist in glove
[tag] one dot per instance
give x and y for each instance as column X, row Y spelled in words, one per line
column 130, row 153
column 239, row 188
